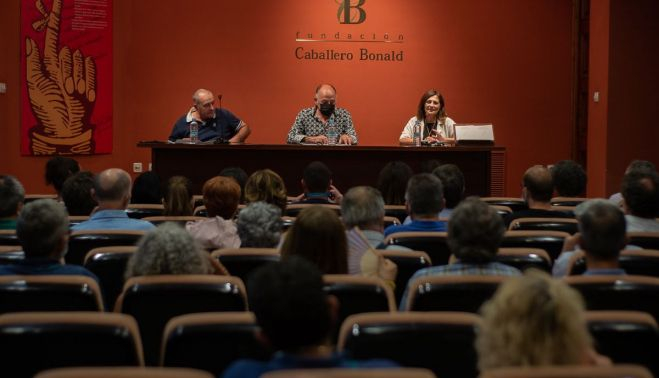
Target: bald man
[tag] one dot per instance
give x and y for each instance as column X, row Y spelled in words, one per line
column 311, row 124
column 112, row 192
column 538, row 187
column 213, row 122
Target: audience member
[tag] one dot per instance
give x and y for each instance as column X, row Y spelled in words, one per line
column 534, row 320
column 168, row 249
column 112, row 192
column 569, row 179
column 635, row 165
column 267, row 186
column 177, row 199
column 147, row 189
column 259, row 225
column 58, row 169
column 295, row 317
column 429, row 166
column 538, row 188
column 475, row 232
column 221, row 196
column 43, row 231
column 602, row 236
column 77, row 193
column 424, row 200
column 239, row 175
column 12, row 196
column 319, row 236
column 453, row 183
column 640, row 192
column 317, row 185
column 392, row 182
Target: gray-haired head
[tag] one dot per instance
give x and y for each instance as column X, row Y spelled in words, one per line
column 259, row 225
column 168, row 249
column 12, row 196
column 41, row 226
column 363, row 207
column 603, row 228
column 475, row 231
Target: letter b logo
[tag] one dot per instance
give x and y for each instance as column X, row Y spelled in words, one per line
column 349, row 13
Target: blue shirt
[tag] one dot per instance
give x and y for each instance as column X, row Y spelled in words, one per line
column 252, row 368
column 113, row 220
column 416, row 225
column 224, row 125
column 604, row 272
column 44, row 267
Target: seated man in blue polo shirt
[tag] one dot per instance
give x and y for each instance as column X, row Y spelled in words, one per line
column 424, row 200
column 213, row 122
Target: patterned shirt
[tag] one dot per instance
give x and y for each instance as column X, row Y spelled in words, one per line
column 306, row 124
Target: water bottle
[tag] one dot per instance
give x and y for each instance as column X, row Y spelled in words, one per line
column 417, row 134
column 194, row 132
column 332, row 133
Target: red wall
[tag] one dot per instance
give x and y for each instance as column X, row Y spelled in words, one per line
column 506, row 62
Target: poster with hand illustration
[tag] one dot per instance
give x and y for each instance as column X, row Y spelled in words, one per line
column 66, row 77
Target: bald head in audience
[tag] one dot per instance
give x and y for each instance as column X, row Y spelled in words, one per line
column 538, row 187
column 112, row 189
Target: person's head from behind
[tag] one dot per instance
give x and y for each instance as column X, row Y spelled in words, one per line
column 77, row 193
column 424, row 196
column 316, row 178
column 640, row 166
column 221, row 197
column 58, row 169
column 640, row 192
column 569, row 178
column 453, row 183
column 259, row 225
column 431, row 105
column 177, row 198
column 147, row 189
column 12, row 196
column 538, row 184
column 266, row 185
column 42, row 228
column 168, row 249
column 392, row 182
column 203, row 101
column 602, row 229
column 290, row 306
column 363, row 207
column 533, row 320
column 475, row 231
column 239, row 175
column 319, row 236
column 112, row 189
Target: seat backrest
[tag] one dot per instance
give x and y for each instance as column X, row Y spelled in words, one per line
column 351, row 373
column 550, row 241
column 451, row 293
column 391, row 221
column 200, row 211
column 181, row 220
column 32, row 342
column 240, row 262
column 8, row 237
column 407, row 262
column 568, row 225
column 398, row 211
column 645, row 240
column 440, row 341
column 626, row 337
column 292, row 210
column 109, row 265
column 569, row 371
column 143, row 210
column 620, row 292
column 515, row 204
column 77, row 219
column 644, row 262
column 81, row 242
column 524, row 258
column 502, row 210
column 123, row 372
column 432, row 243
column 211, row 341
column 287, row 222
column 10, row 254
column 154, row 300
column 567, row 201
column 49, row 293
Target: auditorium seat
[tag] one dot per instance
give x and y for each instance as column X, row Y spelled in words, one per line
column 550, row 241
column 49, row 293
column 408, row 262
column 8, row 237
column 142, row 210
column 645, row 240
column 514, row 203
column 432, row 243
column 568, row 225
column 34, row 341
column 626, row 337
column 391, row 221
column 10, row 254
column 569, row 371
column 81, row 242
column 181, row 220
column 524, row 258
column 451, row 293
column 643, row 262
column 123, row 372
column 502, row 210
column 154, row 300
column 287, row 222
column 293, row 209
column 200, row 211
column 77, row 219
column 440, row 341
column 109, row 265
column 33, row 197
column 240, row 262
column 211, row 341
column 567, row 201
column 351, row 373
column 398, row 211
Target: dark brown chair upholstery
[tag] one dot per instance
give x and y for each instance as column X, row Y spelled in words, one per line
column 109, row 265
column 240, row 262
column 10, row 254
column 451, row 293
column 440, row 341
column 568, row 225
column 515, row 204
column 49, row 293
column 32, row 342
column 432, row 243
column 550, row 241
column 211, row 341
column 645, row 240
column 524, row 258
column 124, row 372
column 8, row 237
column 181, row 220
column 503, row 211
column 567, row 371
column 351, row 373
column 292, row 210
column 139, row 211
column 567, row 201
column 408, row 262
column 644, row 262
column 397, row 211
column 154, row 300
column 81, row 242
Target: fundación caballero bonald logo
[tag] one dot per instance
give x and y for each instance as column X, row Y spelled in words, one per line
column 351, row 11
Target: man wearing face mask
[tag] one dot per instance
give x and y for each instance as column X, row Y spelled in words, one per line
column 312, row 124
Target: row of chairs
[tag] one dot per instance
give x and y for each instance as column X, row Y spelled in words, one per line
column 442, row 342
